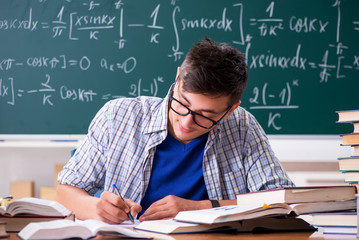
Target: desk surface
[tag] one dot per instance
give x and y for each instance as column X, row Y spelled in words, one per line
column 242, row 236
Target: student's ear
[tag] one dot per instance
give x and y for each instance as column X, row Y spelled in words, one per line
column 178, row 71
column 232, row 109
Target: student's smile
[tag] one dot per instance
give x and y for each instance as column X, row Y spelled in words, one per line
column 184, row 130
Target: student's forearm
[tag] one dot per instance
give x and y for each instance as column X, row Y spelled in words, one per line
column 77, row 200
column 169, row 206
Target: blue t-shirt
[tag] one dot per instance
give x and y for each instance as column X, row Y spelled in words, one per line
column 177, row 170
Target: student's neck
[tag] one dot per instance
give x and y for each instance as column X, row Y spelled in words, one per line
column 181, row 141
column 185, row 142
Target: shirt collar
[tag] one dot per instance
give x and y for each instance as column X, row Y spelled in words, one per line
column 159, row 118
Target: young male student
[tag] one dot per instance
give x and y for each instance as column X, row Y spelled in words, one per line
column 194, row 149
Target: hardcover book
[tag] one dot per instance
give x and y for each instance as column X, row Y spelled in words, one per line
column 298, row 195
column 348, row 116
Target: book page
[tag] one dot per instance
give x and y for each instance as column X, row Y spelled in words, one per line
column 129, row 224
column 60, row 228
column 2, row 210
column 37, row 206
column 209, row 215
column 96, row 226
column 233, row 213
column 305, row 208
column 168, row 226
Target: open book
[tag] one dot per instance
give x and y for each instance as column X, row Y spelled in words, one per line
column 63, row 229
column 34, row 206
column 21, row 212
column 250, row 225
column 242, row 212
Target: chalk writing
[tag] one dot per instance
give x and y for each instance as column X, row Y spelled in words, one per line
column 272, row 61
column 224, row 23
column 66, row 54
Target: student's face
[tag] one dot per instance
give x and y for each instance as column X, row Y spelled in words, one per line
column 183, row 128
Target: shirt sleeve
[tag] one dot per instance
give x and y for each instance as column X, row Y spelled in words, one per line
column 86, row 169
column 264, row 169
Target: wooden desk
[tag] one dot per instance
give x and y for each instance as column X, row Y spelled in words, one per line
column 242, row 236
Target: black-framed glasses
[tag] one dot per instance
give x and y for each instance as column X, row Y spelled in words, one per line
column 198, row 119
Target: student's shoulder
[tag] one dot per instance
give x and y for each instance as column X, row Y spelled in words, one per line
column 246, row 122
column 142, row 104
column 241, row 114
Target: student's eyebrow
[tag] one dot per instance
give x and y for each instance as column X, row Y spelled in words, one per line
column 202, row 110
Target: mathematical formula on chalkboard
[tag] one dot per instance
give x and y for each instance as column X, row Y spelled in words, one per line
column 61, row 60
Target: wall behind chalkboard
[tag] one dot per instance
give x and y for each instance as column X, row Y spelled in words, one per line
column 60, row 61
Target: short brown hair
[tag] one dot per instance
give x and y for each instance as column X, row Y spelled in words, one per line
column 214, row 69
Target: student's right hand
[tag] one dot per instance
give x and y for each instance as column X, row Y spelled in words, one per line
column 112, row 209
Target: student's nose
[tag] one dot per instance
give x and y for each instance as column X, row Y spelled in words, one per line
column 187, row 121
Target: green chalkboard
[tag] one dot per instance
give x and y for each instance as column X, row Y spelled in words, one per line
column 61, row 60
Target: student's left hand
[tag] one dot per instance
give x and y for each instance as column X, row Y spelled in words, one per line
column 169, row 206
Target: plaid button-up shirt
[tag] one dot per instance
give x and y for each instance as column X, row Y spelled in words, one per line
column 122, row 139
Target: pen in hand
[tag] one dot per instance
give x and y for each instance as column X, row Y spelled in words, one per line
column 119, row 194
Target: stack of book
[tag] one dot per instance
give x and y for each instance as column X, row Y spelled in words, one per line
column 344, row 222
column 349, row 165
column 332, row 208
column 271, row 210
column 336, row 222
